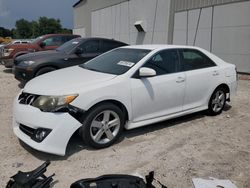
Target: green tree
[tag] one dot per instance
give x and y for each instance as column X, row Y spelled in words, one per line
column 23, row 29
column 49, row 25
column 66, row 31
column 35, row 29
column 5, row 32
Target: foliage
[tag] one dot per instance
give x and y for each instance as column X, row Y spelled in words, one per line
column 32, row 29
column 23, row 29
column 49, row 25
column 5, row 32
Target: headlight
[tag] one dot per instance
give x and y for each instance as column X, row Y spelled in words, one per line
column 28, row 62
column 52, row 103
column 7, row 51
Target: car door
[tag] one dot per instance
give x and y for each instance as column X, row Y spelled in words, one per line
column 202, row 76
column 162, row 94
column 52, row 42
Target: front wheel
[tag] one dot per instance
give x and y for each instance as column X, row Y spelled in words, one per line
column 102, row 125
column 217, row 101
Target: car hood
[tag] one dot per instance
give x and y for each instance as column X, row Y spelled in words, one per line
column 65, row 81
column 39, row 56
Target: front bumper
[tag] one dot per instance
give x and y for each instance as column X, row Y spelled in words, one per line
column 22, row 74
column 63, row 126
column 8, row 63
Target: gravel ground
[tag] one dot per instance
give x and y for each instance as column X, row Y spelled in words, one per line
column 178, row 150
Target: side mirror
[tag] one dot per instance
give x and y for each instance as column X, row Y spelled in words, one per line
column 42, row 44
column 79, row 51
column 146, row 72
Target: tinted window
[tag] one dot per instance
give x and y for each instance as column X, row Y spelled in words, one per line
column 91, row 46
column 193, row 59
column 109, row 45
column 37, row 39
column 70, row 45
column 54, row 41
column 164, row 62
column 117, row 61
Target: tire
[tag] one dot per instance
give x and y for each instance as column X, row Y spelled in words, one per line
column 217, row 101
column 96, row 130
column 44, row 70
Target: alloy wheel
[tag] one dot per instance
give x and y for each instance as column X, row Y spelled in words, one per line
column 218, row 101
column 105, row 127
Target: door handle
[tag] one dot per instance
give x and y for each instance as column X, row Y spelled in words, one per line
column 215, row 73
column 180, row 80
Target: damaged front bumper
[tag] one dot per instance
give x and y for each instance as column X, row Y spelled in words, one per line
column 49, row 132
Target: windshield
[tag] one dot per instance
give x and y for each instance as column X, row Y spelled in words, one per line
column 70, row 45
column 117, row 61
column 37, row 39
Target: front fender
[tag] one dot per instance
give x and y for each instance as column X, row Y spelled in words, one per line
column 119, row 92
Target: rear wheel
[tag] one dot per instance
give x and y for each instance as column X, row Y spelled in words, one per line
column 102, row 125
column 44, row 70
column 217, row 101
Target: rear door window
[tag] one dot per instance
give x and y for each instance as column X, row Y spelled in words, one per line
column 194, row 59
column 91, row 46
column 54, row 41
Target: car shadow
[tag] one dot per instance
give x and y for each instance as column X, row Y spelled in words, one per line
column 161, row 125
column 21, row 85
column 8, row 71
column 227, row 107
column 76, row 144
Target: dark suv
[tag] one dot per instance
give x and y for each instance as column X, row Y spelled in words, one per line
column 74, row 52
column 42, row 43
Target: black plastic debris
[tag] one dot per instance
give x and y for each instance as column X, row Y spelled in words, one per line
column 117, row 181
column 32, row 179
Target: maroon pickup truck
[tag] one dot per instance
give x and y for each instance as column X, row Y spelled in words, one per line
column 42, row 43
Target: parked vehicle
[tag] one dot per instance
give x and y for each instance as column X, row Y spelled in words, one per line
column 5, row 39
column 74, row 52
column 46, row 42
column 21, row 41
column 128, row 87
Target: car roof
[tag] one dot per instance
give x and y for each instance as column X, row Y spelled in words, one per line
column 99, row 38
column 159, row 46
column 58, row 34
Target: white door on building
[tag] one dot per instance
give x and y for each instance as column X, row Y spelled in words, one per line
column 224, row 30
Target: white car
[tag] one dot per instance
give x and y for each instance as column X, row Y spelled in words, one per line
column 128, row 87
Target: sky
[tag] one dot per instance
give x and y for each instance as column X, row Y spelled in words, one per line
column 12, row 10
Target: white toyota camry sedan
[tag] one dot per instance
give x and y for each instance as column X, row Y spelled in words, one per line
column 128, row 87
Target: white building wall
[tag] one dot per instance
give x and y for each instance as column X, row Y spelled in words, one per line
column 117, row 21
column 230, row 27
column 80, row 31
column 231, row 34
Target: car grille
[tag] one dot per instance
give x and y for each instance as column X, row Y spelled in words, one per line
column 27, row 130
column 27, row 98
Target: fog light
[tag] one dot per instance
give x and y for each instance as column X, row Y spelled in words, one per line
column 41, row 134
column 24, row 75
